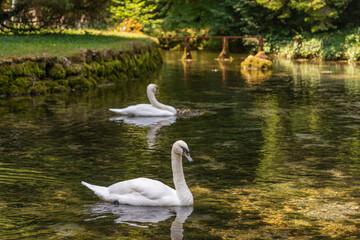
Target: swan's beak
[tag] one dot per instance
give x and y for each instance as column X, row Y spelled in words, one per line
column 187, row 155
column 157, row 91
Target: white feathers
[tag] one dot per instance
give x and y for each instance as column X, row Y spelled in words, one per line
column 149, row 192
column 155, row 109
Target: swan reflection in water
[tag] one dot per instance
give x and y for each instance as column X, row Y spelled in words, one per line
column 138, row 216
column 153, row 123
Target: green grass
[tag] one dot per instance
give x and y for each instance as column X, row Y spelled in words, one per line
column 65, row 44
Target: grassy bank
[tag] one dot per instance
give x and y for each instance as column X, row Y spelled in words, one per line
column 337, row 45
column 39, row 64
column 66, row 43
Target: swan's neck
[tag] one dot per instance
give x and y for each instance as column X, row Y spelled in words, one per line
column 181, row 188
column 155, row 103
column 153, row 100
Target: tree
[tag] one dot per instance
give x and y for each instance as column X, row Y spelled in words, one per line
column 315, row 15
column 148, row 13
column 29, row 15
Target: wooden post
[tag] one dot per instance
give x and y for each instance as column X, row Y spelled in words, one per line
column 225, row 54
column 261, row 43
column 187, row 53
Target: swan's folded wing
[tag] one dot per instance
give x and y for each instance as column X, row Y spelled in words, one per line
column 142, row 110
column 148, row 188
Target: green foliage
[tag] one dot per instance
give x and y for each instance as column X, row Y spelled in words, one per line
column 352, row 45
column 51, row 14
column 335, row 45
column 228, row 17
column 313, row 15
column 130, row 25
column 145, row 12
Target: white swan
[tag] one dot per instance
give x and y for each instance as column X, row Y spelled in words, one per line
column 148, row 192
column 155, row 109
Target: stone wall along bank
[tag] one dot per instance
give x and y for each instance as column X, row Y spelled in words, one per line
column 85, row 69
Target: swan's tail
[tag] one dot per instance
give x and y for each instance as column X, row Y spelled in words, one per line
column 101, row 192
column 117, row 110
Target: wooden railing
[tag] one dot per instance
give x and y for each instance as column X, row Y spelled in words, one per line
column 225, row 51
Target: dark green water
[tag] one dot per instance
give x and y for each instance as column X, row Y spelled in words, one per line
column 276, row 155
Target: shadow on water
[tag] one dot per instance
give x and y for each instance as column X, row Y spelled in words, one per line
column 276, row 155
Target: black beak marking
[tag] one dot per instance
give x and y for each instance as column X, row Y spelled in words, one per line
column 186, row 153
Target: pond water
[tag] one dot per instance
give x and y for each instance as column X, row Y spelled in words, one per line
column 276, row 155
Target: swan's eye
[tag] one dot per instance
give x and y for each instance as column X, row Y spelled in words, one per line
column 185, row 150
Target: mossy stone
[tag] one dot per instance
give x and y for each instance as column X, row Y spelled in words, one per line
column 88, row 55
column 60, row 88
column 108, row 55
column 78, row 82
column 75, row 69
column 98, row 56
column 23, row 82
column 50, row 85
column 97, row 69
column 256, row 63
column 7, row 69
column 77, row 57
column 29, row 68
column 38, row 88
column 57, row 71
column 63, row 82
column 4, row 84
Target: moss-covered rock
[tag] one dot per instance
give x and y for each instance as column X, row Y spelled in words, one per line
column 262, row 55
column 57, row 71
column 60, row 88
column 254, row 62
column 31, row 69
column 108, row 55
column 75, row 69
column 7, row 69
column 77, row 57
column 63, row 82
column 38, row 88
column 23, row 82
column 79, row 82
column 4, row 84
column 98, row 56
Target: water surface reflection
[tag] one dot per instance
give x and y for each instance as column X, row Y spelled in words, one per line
column 275, row 156
column 153, row 125
column 142, row 216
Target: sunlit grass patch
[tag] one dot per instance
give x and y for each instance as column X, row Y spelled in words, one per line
column 66, row 43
